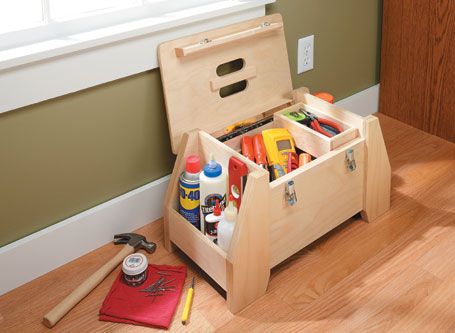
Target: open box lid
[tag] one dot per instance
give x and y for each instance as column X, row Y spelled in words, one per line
column 192, row 86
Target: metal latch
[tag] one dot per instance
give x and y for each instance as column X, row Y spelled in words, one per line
column 350, row 160
column 291, row 197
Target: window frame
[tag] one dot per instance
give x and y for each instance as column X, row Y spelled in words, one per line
column 51, row 28
column 33, row 73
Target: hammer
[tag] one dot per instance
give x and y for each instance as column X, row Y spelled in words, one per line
column 133, row 243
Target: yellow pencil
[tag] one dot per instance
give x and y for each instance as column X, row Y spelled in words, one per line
column 189, row 300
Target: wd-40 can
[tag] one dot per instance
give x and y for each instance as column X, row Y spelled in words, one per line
column 190, row 192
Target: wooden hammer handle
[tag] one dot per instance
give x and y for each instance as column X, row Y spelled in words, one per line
column 61, row 309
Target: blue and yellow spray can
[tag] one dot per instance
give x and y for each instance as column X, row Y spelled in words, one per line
column 189, row 191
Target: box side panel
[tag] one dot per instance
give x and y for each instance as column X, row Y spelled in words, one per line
column 327, row 193
column 198, row 247
column 192, row 85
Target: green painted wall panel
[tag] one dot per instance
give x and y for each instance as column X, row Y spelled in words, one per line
column 347, row 42
column 63, row 156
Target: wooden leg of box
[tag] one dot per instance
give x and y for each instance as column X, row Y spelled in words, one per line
column 188, row 146
column 378, row 172
column 248, row 260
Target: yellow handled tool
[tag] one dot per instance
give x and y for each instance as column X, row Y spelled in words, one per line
column 189, row 300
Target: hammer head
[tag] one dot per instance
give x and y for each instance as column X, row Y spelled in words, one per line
column 136, row 241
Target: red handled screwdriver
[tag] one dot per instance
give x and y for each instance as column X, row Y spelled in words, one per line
column 259, row 151
column 247, row 147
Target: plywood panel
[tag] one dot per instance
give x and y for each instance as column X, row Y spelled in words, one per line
column 198, row 247
column 327, row 195
column 248, row 269
column 192, row 85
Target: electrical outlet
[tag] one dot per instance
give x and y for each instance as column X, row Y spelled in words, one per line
column 305, row 54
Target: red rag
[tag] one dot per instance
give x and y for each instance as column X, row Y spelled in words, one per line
column 126, row 304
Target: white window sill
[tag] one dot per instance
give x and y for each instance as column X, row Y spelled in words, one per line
column 84, row 60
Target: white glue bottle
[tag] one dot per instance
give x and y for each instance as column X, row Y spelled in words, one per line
column 213, row 187
column 226, row 225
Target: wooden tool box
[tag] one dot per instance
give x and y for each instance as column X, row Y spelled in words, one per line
column 329, row 190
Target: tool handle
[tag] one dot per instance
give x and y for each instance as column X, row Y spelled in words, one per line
column 259, row 150
column 304, row 158
column 331, row 124
column 61, row 309
column 247, row 147
column 186, row 309
column 289, row 166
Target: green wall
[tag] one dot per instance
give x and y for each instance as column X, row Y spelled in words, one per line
column 63, row 156
column 347, row 42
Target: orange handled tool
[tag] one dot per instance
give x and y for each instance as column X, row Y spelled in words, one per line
column 259, row 151
column 304, row 158
column 247, row 147
column 325, row 96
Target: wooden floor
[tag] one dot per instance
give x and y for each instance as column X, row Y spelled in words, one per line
column 396, row 274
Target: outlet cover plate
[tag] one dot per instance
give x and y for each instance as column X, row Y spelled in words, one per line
column 305, row 54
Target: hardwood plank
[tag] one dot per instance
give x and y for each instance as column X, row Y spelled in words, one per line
column 373, row 309
column 398, row 297
column 258, row 317
column 435, row 260
column 435, row 314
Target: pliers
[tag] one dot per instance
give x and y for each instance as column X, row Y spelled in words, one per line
column 324, row 126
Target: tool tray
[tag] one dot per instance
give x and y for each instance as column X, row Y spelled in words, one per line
column 329, row 190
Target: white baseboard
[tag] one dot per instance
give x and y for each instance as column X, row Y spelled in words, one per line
column 363, row 103
column 45, row 250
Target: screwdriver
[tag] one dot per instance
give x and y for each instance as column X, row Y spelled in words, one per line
column 189, row 300
column 259, row 151
column 247, row 147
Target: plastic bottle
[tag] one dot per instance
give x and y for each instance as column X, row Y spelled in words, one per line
column 226, row 225
column 190, row 192
column 213, row 187
column 211, row 222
